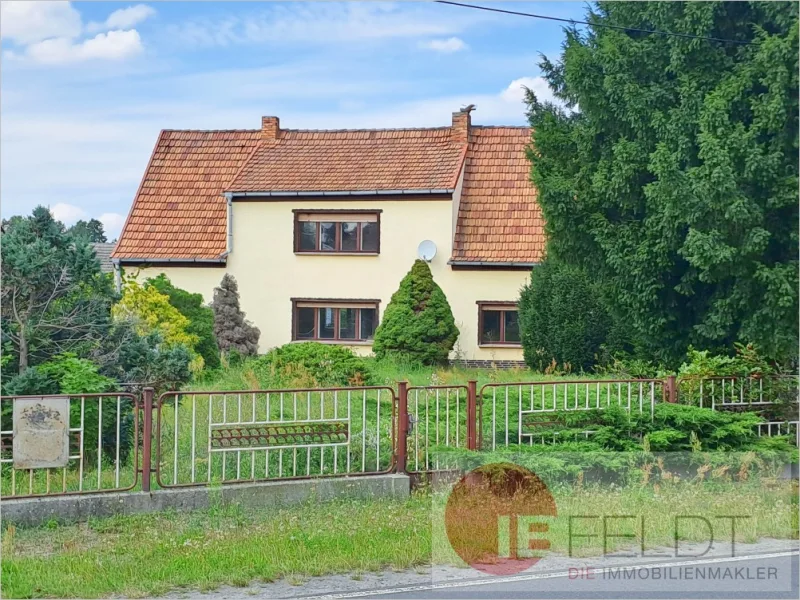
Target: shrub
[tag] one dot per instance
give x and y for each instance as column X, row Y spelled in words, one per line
column 201, row 318
column 232, row 330
column 561, row 318
column 68, row 374
column 145, row 360
column 314, row 364
column 417, row 323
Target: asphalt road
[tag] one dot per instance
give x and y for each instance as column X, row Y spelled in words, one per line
column 772, row 575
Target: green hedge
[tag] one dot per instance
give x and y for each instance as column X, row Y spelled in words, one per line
column 562, row 319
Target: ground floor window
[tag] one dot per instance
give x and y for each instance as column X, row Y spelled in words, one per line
column 334, row 320
column 498, row 323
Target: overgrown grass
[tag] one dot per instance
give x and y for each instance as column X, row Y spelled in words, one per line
column 150, row 555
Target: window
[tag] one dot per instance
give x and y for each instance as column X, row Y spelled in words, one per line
column 337, row 232
column 498, row 323
column 334, row 320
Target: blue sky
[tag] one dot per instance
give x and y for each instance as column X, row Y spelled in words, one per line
column 87, row 86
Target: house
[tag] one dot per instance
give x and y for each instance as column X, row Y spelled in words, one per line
column 102, row 251
column 319, row 227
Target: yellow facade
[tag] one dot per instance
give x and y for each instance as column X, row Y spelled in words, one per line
column 270, row 273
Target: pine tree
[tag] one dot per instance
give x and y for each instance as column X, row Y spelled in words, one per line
column 417, row 323
column 233, row 332
column 674, row 180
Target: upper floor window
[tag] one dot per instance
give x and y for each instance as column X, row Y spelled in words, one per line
column 343, row 321
column 337, row 232
column 498, row 323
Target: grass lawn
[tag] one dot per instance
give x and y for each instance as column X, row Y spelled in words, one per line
column 153, row 554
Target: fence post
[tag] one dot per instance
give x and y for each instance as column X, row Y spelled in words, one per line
column 672, row 389
column 402, row 427
column 472, row 415
column 147, row 437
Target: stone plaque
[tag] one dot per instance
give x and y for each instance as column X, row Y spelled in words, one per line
column 41, row 433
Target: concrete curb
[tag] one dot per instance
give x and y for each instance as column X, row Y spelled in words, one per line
column 32, row 512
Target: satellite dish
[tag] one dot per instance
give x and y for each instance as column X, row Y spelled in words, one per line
column 426, row 250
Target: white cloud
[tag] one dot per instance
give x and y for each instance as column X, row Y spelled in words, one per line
column 515, row 92
column 112, row 224
column 67, row 213
column 447, row 46
column 324, row 22
column 114, row 45
column 26, row 22
column 124, row 18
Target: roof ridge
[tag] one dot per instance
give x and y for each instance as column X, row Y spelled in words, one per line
column 440, row 128
column 500, row 126
column 211, row 130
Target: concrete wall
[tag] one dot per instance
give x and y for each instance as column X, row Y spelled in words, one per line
column 32, row 512
column 269, row 273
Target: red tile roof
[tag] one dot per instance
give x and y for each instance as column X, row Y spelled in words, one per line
column 179, row 212
column 400, row 159
column 499, row 220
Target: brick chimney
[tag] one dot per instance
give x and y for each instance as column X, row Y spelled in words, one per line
column 270, row 128
column 459, row 131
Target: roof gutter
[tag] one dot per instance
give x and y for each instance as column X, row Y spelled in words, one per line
column 272, row 194
column 147, row 261
column 472, row 263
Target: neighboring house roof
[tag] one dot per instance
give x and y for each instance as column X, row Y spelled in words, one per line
column 179, row 213
column 390, row 159
column 499, row 220
column 102, row 251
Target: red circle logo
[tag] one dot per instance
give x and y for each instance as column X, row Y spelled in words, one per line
column 491, row 518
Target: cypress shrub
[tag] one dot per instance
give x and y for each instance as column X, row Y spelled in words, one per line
column 417, row 323
column 562, row 318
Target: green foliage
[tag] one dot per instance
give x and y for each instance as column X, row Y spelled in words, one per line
column 561, row 318
column 77, row 375
column 32, row 382
column 88, row 231
column 746, row 362
column 145, row 360
column 417, row 322
column 54, row 298
column 314, row 364
column 674, row 182
column 201, row 317
column 68, row 374
column 150, row 310
column 672, row 428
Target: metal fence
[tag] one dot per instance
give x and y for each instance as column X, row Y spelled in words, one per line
column 510, row 413
column 203, row 437
column 439, row 417
column 738, row 392
column 254, row 435
column 99, row 434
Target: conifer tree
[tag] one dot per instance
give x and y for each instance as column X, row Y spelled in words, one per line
column 233, row 332
column 417, row 323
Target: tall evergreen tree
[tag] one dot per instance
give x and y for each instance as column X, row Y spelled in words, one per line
column 233, row 332
column 674, row 178
column 89, row 231
column 54, row 298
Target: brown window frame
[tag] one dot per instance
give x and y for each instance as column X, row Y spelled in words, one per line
column 337, row 304
column 319, row 218
column 501, row 307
